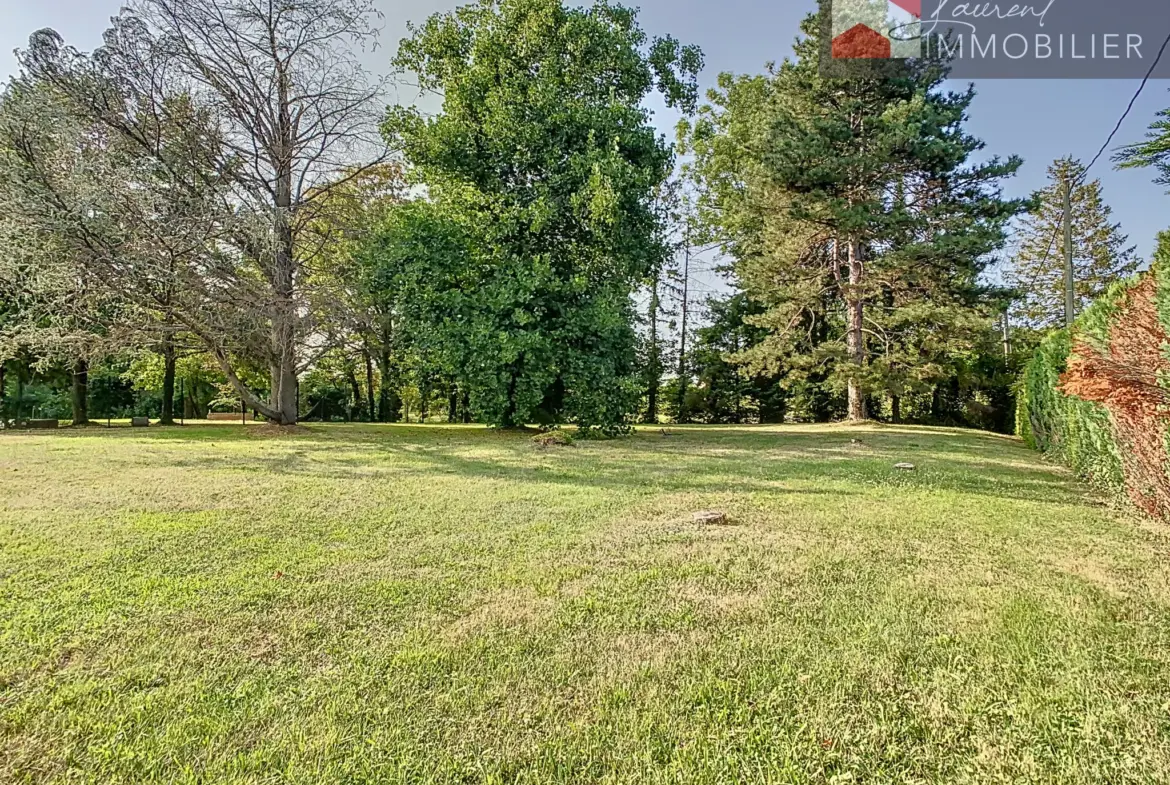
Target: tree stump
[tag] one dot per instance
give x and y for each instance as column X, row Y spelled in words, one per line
column 140, row 422
column 906, row 467
column 709, row 517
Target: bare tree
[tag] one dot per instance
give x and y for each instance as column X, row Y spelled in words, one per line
column 241, row 116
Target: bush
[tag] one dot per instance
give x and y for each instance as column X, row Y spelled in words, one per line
column 1099, row 400
column 1073, row 431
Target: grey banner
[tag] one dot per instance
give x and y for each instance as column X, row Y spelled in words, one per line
column 1050, row 39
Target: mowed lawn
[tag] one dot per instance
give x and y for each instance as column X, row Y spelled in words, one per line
column 406, row 604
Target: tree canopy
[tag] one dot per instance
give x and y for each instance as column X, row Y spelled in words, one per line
column 544, row 164
column 857, row 215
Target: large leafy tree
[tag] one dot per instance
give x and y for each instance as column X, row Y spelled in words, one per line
column 845, row 202
column 250, row 111
column 55, row 174
column 417, row 273
column 546, row 158
column 1101, row 253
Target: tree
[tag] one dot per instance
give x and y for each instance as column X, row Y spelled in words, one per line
column 843, row 201
column 545, row 161
column 655, row 345
column 360, row 311
column 1154, row 151
column 728, row 393
column 1100, row 253
column 250, row 111
column 55, row 317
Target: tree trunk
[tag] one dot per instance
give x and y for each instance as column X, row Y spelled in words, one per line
column 168, row 386
column 453, row 405
column 682, row 333
column 3, row 394
column 283, row 399
column 369, row 361
column 466, row 405
column 19, row 395
column 509, row 420
column 357, row 394
column 284, row 396
column 855, row 338
column 655, row 359
column 389, row 401
column 81, row 393
column 424, row 402
column 896, row 408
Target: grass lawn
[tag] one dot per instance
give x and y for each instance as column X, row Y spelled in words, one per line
column 386, row 604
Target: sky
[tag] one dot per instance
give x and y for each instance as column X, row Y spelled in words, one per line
column 1039, row 120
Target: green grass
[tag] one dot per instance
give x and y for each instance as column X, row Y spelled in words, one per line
column 383, row 604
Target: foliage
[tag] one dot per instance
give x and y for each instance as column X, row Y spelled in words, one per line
column 724, row 392
column 1098, row 400
column 1074, row 431
column 554, row 438
column 857, row 216
column 47, row 393
column 544, row 163
column 1100, row 257
column 1153, row 152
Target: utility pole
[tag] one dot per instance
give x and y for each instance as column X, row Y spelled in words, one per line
column 682, row 346
column 1069, row 305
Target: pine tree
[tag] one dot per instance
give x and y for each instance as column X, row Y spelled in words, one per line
column 1100, row 253
column 845, row 201
column 1153, row 152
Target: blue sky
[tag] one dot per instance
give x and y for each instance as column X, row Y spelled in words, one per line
column 1038, row 120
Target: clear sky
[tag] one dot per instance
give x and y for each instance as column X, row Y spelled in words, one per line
column 1038, row 120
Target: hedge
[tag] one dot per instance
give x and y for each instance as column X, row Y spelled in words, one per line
column 1073, row 431
column 1097, row 400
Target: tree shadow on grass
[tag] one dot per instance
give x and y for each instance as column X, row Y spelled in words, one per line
column 693, row 459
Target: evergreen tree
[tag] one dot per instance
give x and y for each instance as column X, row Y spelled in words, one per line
column 728, row 394
column 1154, row 151
column 843, row 202
column 1100, row 253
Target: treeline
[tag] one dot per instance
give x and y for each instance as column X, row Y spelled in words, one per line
column 217, row 195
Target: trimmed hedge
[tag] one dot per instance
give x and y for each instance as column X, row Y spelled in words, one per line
column 1075, row 432
column 1096, row 438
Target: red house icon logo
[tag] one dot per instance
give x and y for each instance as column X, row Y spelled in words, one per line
column 860, row 41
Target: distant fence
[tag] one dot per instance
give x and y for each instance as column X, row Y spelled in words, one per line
column 1099, row 399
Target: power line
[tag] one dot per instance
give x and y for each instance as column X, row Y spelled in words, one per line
column 1129, row 107
column 1100, row 152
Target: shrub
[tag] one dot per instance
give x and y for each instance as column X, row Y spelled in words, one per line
column 1099, row 402
column 1074, row 431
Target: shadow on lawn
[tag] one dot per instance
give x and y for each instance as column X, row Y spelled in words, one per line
column 777, row 459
